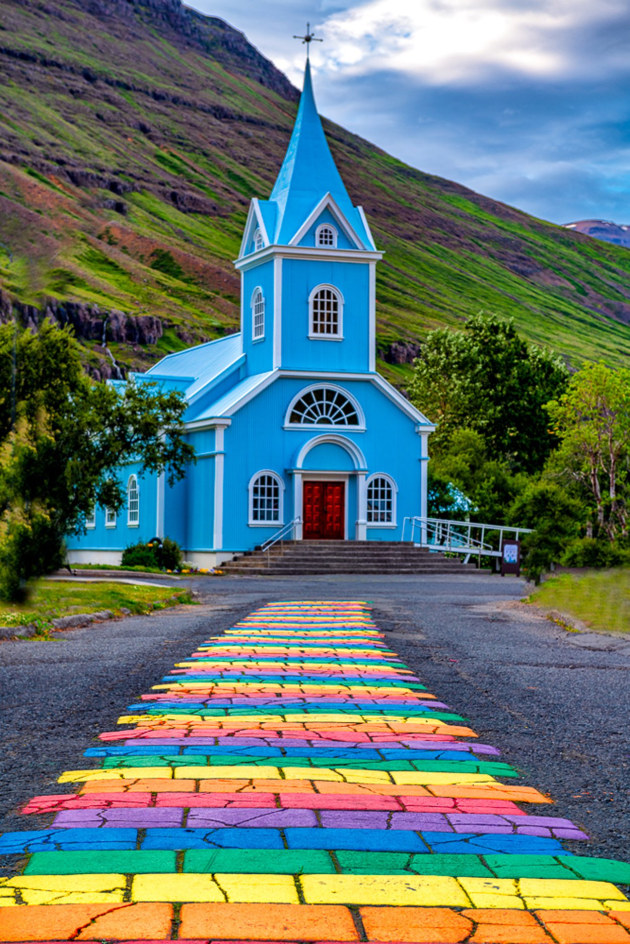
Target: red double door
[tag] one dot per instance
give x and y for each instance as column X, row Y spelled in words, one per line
column 323, row 509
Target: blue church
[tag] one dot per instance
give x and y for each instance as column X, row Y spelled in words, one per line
column 289, row 419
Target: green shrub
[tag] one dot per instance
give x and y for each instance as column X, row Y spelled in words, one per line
column 140, row 555
column 155, row 553
column 170, row 555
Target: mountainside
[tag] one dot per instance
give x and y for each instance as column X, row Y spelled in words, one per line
column 133, row 134
column 603, row 229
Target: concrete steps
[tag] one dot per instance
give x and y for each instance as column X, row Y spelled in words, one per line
column 345, row 557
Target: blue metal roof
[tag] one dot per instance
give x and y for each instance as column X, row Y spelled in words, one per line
column 199, row 365
column 226, row 404
column 307, row 174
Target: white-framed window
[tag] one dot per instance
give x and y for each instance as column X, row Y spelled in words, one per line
column 325, row 312
column 326, row 236
column 133, row 502
column 381, row 500
column 258, row 240
column 265, row 498
column 324, row 405
column 90, row 519
column 110, row 518
column 258, row 314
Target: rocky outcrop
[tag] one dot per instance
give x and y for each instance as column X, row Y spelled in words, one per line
column 400, row 352
column 89, row 323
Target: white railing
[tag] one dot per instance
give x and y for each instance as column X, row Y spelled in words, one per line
column 280, row 536
column 459, row 537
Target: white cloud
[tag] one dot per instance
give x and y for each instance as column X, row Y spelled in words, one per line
column 453, row 41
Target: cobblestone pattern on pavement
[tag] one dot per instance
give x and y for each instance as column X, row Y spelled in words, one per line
column 293, row 781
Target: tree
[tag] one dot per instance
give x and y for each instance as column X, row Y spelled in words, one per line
column 63, row 439
column 488, row 379
column 592, row 422
column 555, row 515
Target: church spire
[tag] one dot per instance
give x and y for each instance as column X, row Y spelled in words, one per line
column 308, row 173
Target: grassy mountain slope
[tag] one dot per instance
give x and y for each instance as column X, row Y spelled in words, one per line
column 133, row 134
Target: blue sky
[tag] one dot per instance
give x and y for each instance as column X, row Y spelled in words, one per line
column 525, row 101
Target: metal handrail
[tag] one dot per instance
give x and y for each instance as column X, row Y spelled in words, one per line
column 280, row 536
column 459, row 537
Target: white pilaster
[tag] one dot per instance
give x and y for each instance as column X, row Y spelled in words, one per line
column 219, row 471
column 298, row 504
column 424, row 471
column 372, row 317
column 361, row 525
column 159, row 515
column 277, row 312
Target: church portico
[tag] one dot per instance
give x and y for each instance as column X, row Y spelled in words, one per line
column 294, row 430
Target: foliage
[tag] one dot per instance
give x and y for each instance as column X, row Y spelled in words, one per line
column 486, row 378
column 592, row 422
column 554, row 514
column 63, row 439
column 601, row 599
column 155, row 554
column 589, row 552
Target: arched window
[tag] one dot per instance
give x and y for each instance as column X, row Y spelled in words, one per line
column 110, row 518
column 326, row 236
column 381, row 500
column 323, row 406
column 133, row 502
column 326, row 310
column 265, row 498
column 258, row 314
column 258, row 240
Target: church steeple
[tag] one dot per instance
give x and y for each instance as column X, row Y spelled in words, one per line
column 308, row 174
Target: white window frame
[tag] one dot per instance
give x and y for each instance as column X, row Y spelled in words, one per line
column 275, row 522
column 259, row 242
column 258, row 294
column 394, row 492
column 358, row 428
column 90, row 520
column 321, row 336
column 319, row 233
column 110, row 518
column 133, row 522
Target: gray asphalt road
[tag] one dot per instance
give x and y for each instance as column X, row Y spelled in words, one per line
column 555, row 703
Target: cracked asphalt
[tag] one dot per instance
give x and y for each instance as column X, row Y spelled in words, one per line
column 555, row 703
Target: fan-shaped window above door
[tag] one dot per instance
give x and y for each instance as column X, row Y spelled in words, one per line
column 324, row 406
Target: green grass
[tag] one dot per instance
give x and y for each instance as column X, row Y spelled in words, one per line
column 600, row 598
column 51, row 599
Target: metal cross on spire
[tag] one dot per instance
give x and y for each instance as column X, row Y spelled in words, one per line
column 308, row 39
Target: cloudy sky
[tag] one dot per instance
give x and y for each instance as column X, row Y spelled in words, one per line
column 526, row 101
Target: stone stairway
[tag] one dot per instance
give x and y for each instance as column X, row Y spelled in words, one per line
column 345, row 557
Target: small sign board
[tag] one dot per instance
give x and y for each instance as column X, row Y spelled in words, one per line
column 511, row 558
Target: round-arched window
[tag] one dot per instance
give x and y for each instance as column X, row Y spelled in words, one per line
column 265, row 499
column 133, row 502
column 326, row 236
column 326, row 308
column 324, row 406
column 258, row 240
column 380, row 500
column 258, row 314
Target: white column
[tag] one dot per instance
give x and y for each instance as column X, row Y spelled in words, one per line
column 298, row 504
column 361, row 525
column 219, row 466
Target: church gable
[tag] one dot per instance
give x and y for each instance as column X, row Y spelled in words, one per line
column 326, row 227
column 258, row 232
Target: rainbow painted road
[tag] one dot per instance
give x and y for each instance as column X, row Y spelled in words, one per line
column 293, row 781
